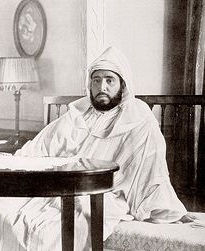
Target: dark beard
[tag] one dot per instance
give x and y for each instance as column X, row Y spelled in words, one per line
column 114, row 101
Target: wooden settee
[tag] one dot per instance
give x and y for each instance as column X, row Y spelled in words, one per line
column 178, row 116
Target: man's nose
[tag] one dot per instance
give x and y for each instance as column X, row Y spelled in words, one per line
column 103, row 85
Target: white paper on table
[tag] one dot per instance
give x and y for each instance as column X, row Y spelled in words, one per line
column 33, row 163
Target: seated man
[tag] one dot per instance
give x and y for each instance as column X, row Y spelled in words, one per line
column 111, row 124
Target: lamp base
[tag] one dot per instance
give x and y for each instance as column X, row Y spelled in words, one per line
column 17, row 141
column 12, row 144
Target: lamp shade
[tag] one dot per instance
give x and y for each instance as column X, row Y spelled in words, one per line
column 17, row 73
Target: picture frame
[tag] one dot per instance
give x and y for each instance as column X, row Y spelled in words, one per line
column 30, row 28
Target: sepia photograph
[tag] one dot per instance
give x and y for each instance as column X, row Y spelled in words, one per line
column 102, row 125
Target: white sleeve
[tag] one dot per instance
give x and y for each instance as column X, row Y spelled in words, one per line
column 162, row 205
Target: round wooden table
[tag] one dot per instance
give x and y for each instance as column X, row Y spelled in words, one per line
column 83, row 177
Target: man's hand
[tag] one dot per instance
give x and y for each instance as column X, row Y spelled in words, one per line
column 189, row 217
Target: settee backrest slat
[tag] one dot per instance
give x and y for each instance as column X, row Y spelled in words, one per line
column 173, row 99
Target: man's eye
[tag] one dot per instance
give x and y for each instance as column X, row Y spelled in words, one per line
column 110, row 81
column 96, row 81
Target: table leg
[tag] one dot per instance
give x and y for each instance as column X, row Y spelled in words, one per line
column 97, row 222
column 67, row 219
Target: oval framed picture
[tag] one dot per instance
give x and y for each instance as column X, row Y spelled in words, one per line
column 30, row 28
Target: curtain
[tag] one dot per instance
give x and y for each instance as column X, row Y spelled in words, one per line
column 194, row 84
column 193, row 30
column 200, row 89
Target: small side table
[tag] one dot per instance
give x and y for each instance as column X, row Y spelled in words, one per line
column 85, row 177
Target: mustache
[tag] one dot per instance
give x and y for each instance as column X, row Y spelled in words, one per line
column 102, row 93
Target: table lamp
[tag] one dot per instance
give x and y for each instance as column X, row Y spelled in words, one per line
column 17, row 73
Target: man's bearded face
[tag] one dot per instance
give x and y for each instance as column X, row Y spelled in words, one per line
column 105, row 90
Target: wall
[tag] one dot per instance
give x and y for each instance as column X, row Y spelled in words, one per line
column 143, row 30
column 136, row 27
column 59, row 65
